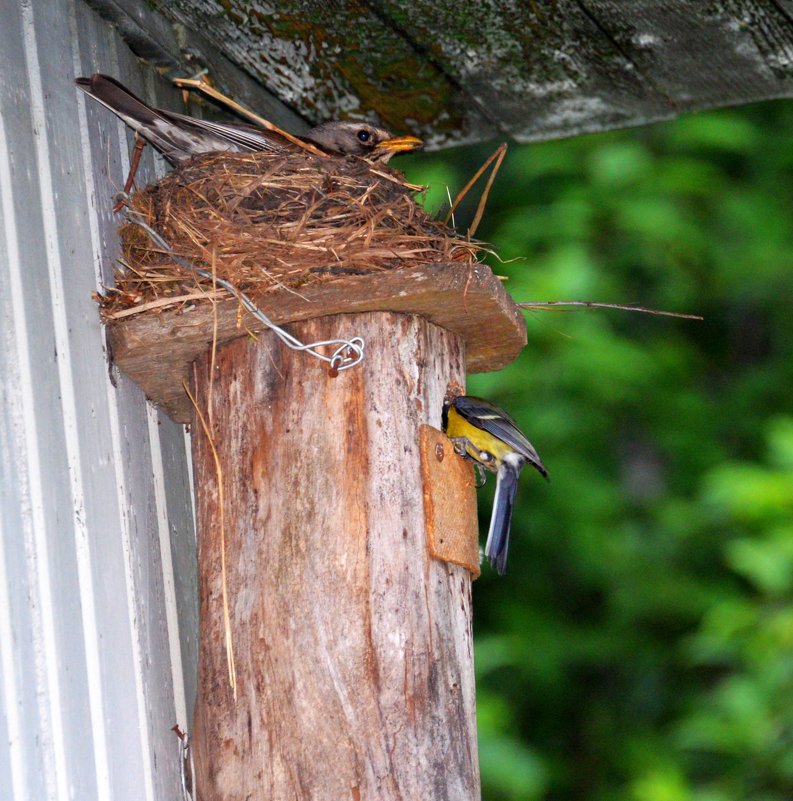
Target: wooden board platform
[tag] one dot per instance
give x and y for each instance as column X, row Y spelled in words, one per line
column 156, row 350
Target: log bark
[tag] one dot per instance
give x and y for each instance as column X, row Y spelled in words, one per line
column 353, row 647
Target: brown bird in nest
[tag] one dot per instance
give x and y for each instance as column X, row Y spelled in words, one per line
column 179, row 137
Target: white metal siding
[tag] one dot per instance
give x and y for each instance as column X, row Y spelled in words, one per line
column 98, row 608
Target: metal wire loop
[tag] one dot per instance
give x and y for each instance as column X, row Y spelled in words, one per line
column 348, row 352
column 347, row 355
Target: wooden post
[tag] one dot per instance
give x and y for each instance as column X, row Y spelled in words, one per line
column 352, row 646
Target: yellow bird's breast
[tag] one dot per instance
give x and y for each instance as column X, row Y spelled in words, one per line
column 478, row 441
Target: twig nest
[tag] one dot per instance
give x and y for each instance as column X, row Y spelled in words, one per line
column 266, row 221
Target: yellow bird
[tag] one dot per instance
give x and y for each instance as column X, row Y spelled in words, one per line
column 487, row 435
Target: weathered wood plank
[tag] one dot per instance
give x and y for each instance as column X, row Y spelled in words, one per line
column 717, row 54
column 449, row 502
column 549, row 68
column 183, row 51
column 156, row 350
column 539, row 70
column 334, row 60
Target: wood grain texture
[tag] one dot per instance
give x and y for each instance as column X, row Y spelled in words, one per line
column 155, row 350
column 453, row 72
column 336, row 60
column 540, row 70
column 353, row 646
column 450, row 513
column 182, row 51
column 718, row 54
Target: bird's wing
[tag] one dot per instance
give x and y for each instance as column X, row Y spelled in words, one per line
column 245, row 137
column 497, row 422
column 176, row 135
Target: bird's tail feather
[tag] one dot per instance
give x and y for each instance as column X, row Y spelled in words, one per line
column 177, row 136
column 115, row 96
column 497, row 544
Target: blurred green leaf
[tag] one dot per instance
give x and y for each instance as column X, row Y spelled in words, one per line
column 640, row 647
column 510, row 770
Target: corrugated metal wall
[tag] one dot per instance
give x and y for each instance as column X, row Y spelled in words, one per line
column 98, row 605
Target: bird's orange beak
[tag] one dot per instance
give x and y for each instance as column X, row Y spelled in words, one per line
column 399, row 144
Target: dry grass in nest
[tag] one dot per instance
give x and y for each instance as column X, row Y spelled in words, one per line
column 269, row 220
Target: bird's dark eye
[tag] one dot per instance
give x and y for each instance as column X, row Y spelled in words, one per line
column 485, row 457
column 364, row 136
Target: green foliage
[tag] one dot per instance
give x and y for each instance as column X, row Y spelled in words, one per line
column 641, row 646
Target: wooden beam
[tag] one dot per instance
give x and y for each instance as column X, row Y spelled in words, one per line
column 352, row 645
column 534, row 70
